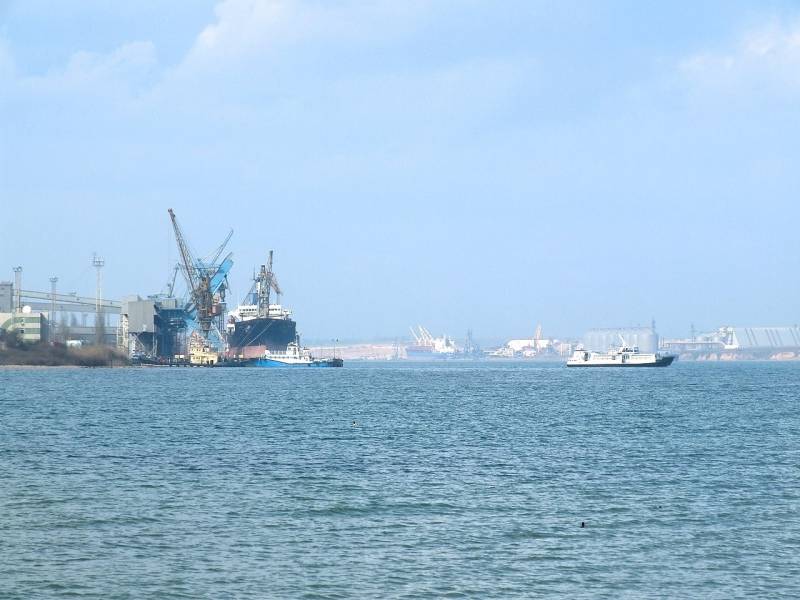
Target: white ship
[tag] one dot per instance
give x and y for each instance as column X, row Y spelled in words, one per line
column 623, row 356
column 428, row 347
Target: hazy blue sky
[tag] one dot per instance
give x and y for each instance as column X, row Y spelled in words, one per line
column 458, row 164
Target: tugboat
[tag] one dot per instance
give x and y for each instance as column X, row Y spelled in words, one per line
column 293, row 356
column 623, row 356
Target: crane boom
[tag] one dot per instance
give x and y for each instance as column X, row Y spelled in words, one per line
column 272, row 281
column 186, row 254
column 214, row 256
column 171, row 282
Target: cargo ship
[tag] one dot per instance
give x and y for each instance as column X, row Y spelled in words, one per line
column 257, row 326
column 428, row 347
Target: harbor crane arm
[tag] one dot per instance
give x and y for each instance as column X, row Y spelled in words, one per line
column 214, row 256
column 272, row 280
column 186, row 255
column 218, row 280
column 171, row 283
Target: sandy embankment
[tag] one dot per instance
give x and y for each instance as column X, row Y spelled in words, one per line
column 358, row 351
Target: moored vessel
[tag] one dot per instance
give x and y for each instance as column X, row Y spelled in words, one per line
column 257, row 325
column 428, row 347
column 293, row 356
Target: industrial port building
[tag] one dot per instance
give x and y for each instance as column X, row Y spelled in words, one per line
column 30, row 325
column 731, row 342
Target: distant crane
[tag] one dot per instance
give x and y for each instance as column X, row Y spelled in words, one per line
column 470, row 347
column 424, row 337
column 171, row 282
column 206, row 281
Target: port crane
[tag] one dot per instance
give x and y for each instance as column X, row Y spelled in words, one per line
column 171, row 283
column 424, row 337
column 264, row 283
column 207, row 282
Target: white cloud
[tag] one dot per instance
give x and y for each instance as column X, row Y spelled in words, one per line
column 129, row 66
column 131, row 58
column 89, row 83
column 242, row 26
column 765, row 59
column 247, row 29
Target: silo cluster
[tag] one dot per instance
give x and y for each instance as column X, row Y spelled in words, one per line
column 601, row 340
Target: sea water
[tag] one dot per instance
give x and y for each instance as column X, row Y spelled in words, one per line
column 401, row 480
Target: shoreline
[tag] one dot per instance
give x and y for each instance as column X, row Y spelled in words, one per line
column 27, row 367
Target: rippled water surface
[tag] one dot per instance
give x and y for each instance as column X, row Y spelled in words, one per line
column 401, row 481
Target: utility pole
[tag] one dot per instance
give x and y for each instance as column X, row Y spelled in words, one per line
column 18, row 288
column 52, row 320
column 99, row 323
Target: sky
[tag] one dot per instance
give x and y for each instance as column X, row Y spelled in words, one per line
column 457, row 164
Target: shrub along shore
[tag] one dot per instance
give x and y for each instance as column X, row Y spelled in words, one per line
column 58, row 355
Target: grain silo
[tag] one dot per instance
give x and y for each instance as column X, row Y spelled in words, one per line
column 600, row 340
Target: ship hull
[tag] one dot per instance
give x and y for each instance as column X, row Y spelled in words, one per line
column 427, row 354
column 251, row 338
column 271, row 363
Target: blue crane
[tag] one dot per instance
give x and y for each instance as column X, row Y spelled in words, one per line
column 206, row 280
